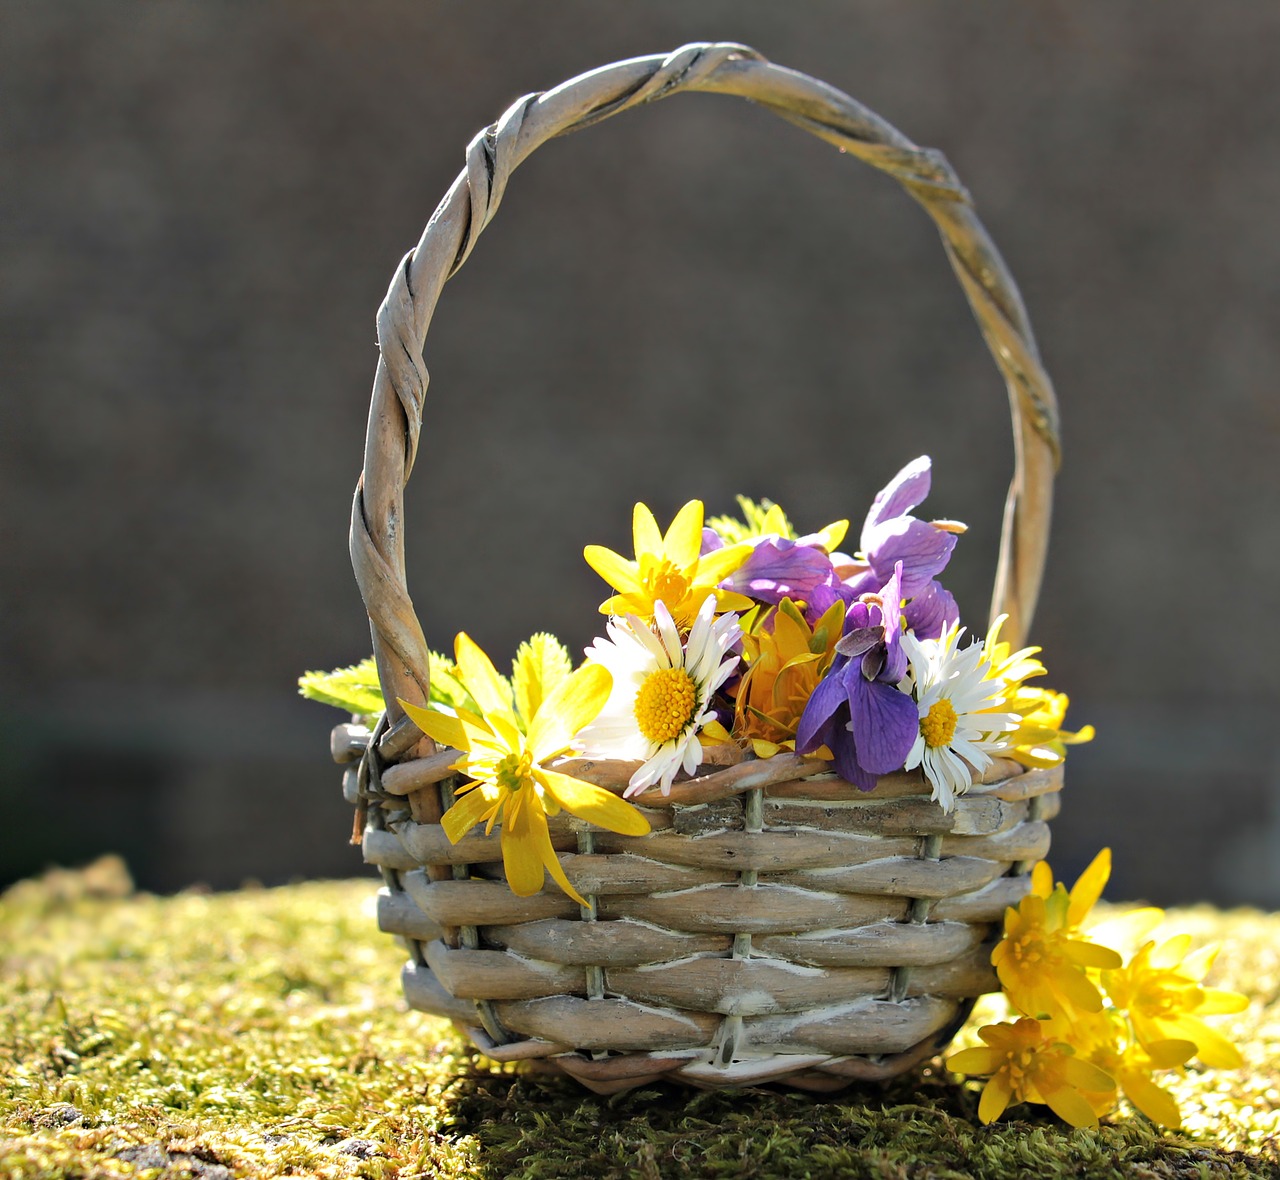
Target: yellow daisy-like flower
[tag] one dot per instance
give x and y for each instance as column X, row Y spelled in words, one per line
column 1162, row 991
column 670, row 569
column 1039, row 740
column 1042, row 961
column 784, row 666
column 511, row 783
column 1026, row 1066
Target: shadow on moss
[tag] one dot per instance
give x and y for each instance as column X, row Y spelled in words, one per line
column 923, row 1125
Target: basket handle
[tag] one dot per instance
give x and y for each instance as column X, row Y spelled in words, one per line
column 400, row 384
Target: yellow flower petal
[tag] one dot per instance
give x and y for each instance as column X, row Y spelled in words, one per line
column 468, row 810
column 541, row 840
column 1084, row 1075
column 1070, row 1107
column 1153, row 1101
column 572, row 704
column 439, row 726
column 683, row 541
column 720, row 563
column 976, row 1061
column 1088, row 888
column 714, row 733
column 1170, row 1054
column 995, row 1098
column 521, row 849
column 831, row 536
column 645, row 533
column 1218, row 1001
column 592, row 803
column 481, row 678
column 620, row 573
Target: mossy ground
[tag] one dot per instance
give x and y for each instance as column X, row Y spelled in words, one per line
column 262, row 1033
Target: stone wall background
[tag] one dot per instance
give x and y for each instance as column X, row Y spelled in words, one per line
column 202, row 206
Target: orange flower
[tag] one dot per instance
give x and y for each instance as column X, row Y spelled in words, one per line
column 784, row 666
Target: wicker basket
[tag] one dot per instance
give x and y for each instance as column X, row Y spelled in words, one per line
column 777, row 925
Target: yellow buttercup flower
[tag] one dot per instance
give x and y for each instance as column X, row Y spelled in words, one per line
column 670, row 569
column 1039, row 740
column 1106, row 1040
column 506, row 756
column 1042, row 961
column 784, row 666
column 1025, row 1065
column 1161, row 989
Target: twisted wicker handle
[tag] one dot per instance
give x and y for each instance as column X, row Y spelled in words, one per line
column 400, row 385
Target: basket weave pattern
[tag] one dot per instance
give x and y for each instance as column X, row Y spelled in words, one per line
column 777, row 924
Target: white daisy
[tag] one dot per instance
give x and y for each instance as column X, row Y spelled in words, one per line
column 662, row 691
column 960, row 721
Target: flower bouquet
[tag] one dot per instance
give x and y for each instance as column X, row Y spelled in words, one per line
column 785, row 799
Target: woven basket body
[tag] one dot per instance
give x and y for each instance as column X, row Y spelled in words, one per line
column 777, row 924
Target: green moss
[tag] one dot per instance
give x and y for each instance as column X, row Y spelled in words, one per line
column 261, row 1033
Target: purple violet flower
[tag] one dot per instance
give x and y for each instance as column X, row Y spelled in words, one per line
column 857, row 711
column 780, row 568
column 892, row 536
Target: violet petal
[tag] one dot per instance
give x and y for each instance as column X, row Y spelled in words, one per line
column 821, row 706
column 901, row 494
column 923, row 550
column 781, row 569
column 885, row 723
column 931, row 611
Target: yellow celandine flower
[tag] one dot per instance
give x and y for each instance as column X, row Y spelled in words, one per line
column 1039, row 741
column 1025, row 1065
column 1106, row 1039
column 670, row 569
column 1161, row 989
column 784, row 666
column 1042, row 961
column 511, row 783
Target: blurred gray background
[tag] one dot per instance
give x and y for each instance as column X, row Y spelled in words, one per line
column 201, row 209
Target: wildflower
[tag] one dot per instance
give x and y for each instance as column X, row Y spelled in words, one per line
column 511, row 783
column 669, row 569
column 1039, row 740
column 960, row 717
column 1026, row 1066
column 662, row 691
column 890, row 534
column 1043, row 961
column 786, row 659
column 1106, row 1040
column 1161, row 989
column 857, row 711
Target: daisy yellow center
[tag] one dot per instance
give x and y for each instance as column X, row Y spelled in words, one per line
column 665, row 704
column 512, row 772
column 938, row 726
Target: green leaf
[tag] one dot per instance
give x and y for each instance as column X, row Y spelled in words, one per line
column 355, row 689
column 541, row 662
